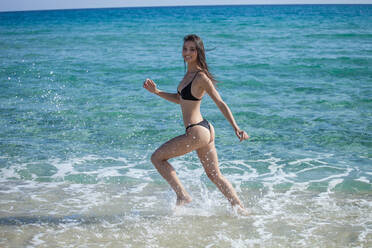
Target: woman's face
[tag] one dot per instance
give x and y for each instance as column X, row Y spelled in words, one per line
column 189, row 52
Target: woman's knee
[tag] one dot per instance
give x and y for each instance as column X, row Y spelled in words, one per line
column 156, row 157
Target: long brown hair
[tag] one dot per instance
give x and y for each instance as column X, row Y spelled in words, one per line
column 201, row 59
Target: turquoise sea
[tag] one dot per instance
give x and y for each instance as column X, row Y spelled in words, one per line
column 77, row 129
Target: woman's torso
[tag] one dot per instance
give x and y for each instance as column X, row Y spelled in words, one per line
column 190, row 87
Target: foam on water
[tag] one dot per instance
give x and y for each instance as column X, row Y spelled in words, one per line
column 144, row 211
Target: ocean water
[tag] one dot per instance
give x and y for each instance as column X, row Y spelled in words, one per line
column 77, row 129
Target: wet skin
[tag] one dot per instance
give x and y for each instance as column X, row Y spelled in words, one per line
column 196, row 138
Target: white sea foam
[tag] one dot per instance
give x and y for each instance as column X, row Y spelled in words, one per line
column 144, row 209
column 308, row 161
column 9, row 172
column 36, row 240
column 332, row 184
column 363, row 179
column 139, row 188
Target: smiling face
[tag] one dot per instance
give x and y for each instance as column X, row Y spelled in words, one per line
column 189, row 52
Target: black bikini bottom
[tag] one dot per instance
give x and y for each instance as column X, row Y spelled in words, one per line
column 203, row 123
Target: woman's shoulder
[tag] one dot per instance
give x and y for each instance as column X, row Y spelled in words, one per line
column 203, row 79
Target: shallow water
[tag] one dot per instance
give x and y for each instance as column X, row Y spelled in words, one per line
column 77, row 129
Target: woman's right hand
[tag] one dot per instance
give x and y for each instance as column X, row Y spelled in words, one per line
column 150, row 85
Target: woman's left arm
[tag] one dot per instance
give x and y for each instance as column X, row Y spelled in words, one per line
column 213, row 93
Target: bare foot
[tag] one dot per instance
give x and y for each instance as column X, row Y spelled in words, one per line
column 183, row 201
column 241, row 211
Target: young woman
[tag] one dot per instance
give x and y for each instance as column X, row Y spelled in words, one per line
column 199, row 133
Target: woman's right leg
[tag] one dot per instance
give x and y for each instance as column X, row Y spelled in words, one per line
column 208, row 157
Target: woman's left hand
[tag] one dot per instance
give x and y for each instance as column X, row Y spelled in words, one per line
column 242, row 135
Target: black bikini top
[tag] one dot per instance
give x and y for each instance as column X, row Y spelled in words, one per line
column 186, row 91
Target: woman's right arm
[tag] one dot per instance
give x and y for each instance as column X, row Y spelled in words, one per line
column 151, row 87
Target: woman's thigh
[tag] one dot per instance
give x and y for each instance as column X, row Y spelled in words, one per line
column 209, row 159
column 182, row 144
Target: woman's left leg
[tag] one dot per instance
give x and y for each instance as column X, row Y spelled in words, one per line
column 175, row 147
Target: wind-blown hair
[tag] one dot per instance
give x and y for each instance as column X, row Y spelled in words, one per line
column 201, row 59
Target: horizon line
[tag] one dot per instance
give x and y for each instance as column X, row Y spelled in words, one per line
column 182, row 6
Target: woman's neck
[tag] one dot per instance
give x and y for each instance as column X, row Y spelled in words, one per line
column 193, row 68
